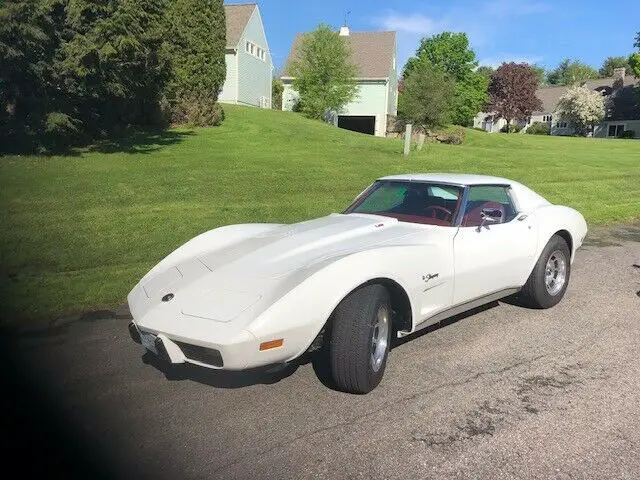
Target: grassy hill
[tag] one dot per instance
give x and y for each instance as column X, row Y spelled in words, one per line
column 78, row 231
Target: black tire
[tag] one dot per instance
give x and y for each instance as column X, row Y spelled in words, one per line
column 535, row 293
column 350, row 346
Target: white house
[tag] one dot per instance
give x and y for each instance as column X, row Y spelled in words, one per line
column 248, row 59
column 374, row 54
column 621, row 101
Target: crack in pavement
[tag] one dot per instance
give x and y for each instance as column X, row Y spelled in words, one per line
column 377, row 410
column 288, row 443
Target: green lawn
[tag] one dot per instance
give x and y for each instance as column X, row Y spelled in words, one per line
column 78, row 231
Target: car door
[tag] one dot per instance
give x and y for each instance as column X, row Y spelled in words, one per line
column 491, row 256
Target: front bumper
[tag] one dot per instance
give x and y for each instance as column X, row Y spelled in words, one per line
column 171, row 350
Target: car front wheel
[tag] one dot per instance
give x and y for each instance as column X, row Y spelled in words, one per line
column 359, row 343
column 550, row 276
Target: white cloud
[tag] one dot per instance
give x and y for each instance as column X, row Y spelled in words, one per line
column 413, row 23
column 481, row 25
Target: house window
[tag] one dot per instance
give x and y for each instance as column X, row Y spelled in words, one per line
column 616, row 130
column 547, row 118
column 561, row 125
column 255, row 50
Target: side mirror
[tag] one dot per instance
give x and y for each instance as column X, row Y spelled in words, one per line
column 490, row 215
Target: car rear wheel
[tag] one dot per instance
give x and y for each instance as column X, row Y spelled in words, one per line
column 550, row 276
column 360, row 337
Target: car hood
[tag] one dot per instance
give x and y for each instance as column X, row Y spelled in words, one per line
column 289, row 247
column 221, row 283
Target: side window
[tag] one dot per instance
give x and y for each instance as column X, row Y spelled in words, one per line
column 487, row 196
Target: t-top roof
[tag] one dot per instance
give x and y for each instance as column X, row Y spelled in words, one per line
column 373, row 53
column 452, row 178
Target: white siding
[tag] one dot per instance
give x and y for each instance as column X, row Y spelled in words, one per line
column 372, row 100
column 254, row 74
column 289, row 96
column 229, row 92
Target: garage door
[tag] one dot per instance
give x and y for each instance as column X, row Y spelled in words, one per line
column 362, row 124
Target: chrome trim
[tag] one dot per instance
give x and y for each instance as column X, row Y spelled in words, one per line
column 461, row 308
column 461, row 208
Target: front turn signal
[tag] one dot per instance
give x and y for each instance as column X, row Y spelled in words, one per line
column 271, row 344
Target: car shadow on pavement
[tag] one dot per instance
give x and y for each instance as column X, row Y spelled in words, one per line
column 397, row 342
column 274, row 374
column 221, row 378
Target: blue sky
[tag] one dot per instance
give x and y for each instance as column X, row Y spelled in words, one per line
column 535, row 31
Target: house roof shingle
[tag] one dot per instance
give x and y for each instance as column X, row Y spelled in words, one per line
column 237, row 16
column 373, row 53
column 624, row 102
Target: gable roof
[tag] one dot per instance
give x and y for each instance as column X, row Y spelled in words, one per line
column 624, row 103
column 237, row 16
column 550, row 96
column 373, row 53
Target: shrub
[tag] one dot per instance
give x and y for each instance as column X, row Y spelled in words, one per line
column 509, row 129
column 453, row 136
column 628, row 134
column 539, row 128
column 198, row 111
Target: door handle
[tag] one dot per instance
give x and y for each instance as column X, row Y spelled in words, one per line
column 522, row 217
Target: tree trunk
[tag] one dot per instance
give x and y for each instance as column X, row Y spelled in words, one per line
column 508, row 125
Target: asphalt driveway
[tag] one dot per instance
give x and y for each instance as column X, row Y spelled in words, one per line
column 504, row 393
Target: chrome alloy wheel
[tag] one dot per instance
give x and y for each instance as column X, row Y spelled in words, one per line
column 555, row 273
column 379, row 338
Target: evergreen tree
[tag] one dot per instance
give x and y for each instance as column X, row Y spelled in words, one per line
column 196, row 48
column 27, row 46
column 110, row 65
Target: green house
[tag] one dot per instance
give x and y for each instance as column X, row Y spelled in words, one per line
column 248, row 59
column 374, row 54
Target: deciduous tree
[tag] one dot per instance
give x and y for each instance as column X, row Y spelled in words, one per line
column 323, row 72
column 427, row 93
column 611, row 63
column 512, row 92
column 571, row 73
column 541, row 73
column 451, row 53
column 581, row 107
column 634, row 59
column 276, row 93
column 486, row 72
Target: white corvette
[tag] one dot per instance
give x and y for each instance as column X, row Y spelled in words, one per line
column 410, row 251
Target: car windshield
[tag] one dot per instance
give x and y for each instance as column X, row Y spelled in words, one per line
column 414, row 202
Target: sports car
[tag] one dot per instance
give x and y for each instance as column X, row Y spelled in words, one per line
column 410, row 251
